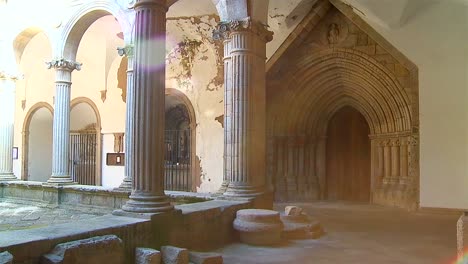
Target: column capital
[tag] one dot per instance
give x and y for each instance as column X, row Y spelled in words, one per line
column 125, row 51
column 225, row 28
column 6, row 76
column 159, row 3
column 64, row 65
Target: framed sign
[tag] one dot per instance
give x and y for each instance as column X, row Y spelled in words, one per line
column 115, row 159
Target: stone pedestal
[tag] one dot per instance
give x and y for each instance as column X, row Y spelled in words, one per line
column 61, row 127
column 245, row 106
column 7, row 122
column 147, row 159
column 258, row 227
column 462, row 238
column 129, row 119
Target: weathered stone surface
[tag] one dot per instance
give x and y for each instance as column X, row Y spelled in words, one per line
column 205, row 258
column 6, row 258
column 174, row 255
column 147, row 256
column 95, row 250
column 293, row 210
column 462, row 234
column 258, row 227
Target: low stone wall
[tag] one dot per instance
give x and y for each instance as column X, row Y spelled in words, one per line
column 89, row 197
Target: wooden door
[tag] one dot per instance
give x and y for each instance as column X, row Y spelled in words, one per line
column 348, row 157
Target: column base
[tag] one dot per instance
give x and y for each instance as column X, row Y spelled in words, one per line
column 260, row 197
column 126, row 185
column 222, row 189
column 8, row 177
column 141, row 203
column 60, row 180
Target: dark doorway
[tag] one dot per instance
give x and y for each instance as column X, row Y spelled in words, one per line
column 348, row 157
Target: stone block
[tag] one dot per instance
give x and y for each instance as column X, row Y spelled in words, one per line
column 462, row 235
column 174, row 255
column 95, row 250
column 147, row 256
column 292, row 210
column 205, row 258
column 258, row 227
column 6, row 258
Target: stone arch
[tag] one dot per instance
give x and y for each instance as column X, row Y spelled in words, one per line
column 90, row 103
column 193, row 128
column 316, row 86
column 25, row 135
column 82, row 19
column 23, row 38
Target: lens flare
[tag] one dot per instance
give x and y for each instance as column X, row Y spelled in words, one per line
column 153, row 56
column 461, row 259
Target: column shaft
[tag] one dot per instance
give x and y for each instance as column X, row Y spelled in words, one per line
column 7, row 116
column 387, row 162
column 148, row 127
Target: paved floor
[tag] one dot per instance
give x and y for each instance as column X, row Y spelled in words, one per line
column 361, row 234
column 15, row 216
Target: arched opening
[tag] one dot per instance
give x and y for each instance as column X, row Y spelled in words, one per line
column 348, row 155
column 179, row 142
column 85, row 142
column 37, row 143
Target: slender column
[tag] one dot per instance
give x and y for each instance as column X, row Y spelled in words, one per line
column 61, row 127
column 246, row 147
column 7, row 119
column 147, row 163
column 380, row 162
column 395, row 149
column 404, row 161
column 387, row 162
column 321, row 165
column 222, row 33
column 129, row 118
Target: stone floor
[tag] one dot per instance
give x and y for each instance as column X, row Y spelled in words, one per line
column 361, row 234
column 16, row 216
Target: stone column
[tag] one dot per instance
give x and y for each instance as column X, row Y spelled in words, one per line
column 395, row 150
column 246, row 145
column 222, row 34
column 403, row 161
column 7, row 122
column 61, row 127
column 387, row 162
column 129, row 119
column 147, row 163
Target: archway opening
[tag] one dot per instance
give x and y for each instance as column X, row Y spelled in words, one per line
column 84, row 144
column 348, row 155
column 39, row 145
column 179, row 143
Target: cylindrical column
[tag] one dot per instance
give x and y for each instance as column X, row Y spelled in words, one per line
column 61, row 127
column 395, row 149
column 222, row 33
column 403, row 162
column 147, row 163
column 129, row 118
column 387, row 162
column 7, row 121
column 247, row 145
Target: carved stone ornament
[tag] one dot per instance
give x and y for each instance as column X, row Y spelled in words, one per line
column 63, row 64
column 6, row 76
column 125, row 51
column 223, row 29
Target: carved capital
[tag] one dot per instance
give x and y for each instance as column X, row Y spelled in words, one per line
column 126, row 51
column 396, row 143
column 224, row 29
column 64, row 65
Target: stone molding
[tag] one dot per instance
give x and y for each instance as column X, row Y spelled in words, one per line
column 224, row 29
column 126, row 51
column 64, row 65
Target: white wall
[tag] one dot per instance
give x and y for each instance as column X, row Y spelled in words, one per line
column 436, row 40
column 112, row 176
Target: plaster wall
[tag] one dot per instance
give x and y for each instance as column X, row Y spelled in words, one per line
column 435, row 40
column 40, row 146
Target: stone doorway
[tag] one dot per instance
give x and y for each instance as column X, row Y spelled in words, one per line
column 348, row 157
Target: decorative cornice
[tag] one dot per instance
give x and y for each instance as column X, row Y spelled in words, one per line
column 224, row 29
column 64, row 65
column 125, row 51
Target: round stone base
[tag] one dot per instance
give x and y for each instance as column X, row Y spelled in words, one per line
column 258, row 227
column 301, row 227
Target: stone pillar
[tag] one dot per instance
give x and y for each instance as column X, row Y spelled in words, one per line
column 403, row 161
column 395, row 150
column 380, row 162
column 246, row 146
column 147, row 163
column 61, row 127
column 7, row 123
column 219, row 34
column 321, row 165
column 129, row 119
column 387, row 162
